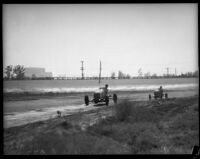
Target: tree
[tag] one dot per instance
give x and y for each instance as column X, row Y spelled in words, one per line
column 113, row 75
column 120, row 75
column 196, row 73
column 140, row 72
column 128, row 76
column 19, row 72
column 8, row 71
column 189, row 74
column 147, row 75
column 154, row 75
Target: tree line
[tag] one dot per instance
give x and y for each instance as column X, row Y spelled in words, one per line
column 18, row 73
column 148, row 75
column 14, row 72
column 120, row 75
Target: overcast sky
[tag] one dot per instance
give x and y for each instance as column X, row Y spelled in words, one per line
column 124, row 37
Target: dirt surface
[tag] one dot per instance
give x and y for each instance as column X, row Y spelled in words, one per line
column 82, row 119
column 15, row 137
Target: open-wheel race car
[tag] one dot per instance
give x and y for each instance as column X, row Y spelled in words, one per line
column 99, row 97
column 158, row 94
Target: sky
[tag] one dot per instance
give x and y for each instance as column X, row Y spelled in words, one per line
column 123, row 37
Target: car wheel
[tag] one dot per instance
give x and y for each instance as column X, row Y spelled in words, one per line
column 86, row 100
column 115, row 98
column 107, row 101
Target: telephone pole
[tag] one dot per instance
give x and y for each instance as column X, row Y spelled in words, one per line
column 175, row 72
column 82, row 69
column 167, row 71
column 100, row 73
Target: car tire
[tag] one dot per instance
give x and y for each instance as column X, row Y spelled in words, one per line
column 115, row 98
column 107, row 100
column 86, row 100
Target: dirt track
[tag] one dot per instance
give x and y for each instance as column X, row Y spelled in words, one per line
column 17, row 119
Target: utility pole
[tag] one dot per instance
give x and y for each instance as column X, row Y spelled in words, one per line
column 167, row 71
column 175, row 72
column 82, row 70
column 100, row 73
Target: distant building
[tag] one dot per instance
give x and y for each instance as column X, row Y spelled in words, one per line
column 48, row 74
column 36, row 72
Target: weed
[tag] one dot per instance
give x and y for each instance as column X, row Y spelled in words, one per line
column 123, row 110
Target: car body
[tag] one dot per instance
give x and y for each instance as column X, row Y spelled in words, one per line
column 158, row 94
column 100, row 97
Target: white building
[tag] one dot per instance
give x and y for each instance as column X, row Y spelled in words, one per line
column 36, row 72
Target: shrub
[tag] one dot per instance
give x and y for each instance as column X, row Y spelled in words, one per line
column 52, row 143
column 66, row 125
column 128, row 111
column 123, row 110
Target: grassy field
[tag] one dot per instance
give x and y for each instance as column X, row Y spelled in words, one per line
column 148, row 127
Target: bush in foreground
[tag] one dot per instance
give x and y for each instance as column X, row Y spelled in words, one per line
column 123, row 110
column 129, row 111
column 157, row 130
column 78, row 143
